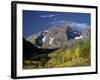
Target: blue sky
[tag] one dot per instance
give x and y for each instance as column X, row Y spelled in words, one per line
column 36, row 21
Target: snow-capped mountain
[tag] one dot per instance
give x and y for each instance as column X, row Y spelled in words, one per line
column 56, row 37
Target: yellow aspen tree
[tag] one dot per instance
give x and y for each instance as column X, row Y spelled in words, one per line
column 77, row 52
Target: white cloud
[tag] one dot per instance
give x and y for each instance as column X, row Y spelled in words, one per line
column 79, row 25
column 48, row 16
column 58, row 22
column 72, row 24
column 43, row 16
column 52, row 15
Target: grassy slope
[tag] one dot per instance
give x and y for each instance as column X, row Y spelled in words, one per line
column 78, row 55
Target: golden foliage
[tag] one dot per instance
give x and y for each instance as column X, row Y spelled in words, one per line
column 78, row 55
column 77, row 52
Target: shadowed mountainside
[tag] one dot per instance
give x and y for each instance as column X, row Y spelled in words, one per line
column 30, row 50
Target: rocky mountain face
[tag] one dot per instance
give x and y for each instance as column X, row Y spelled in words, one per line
column 56, row 37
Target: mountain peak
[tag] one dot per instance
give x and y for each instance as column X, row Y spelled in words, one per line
column 55, row 36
